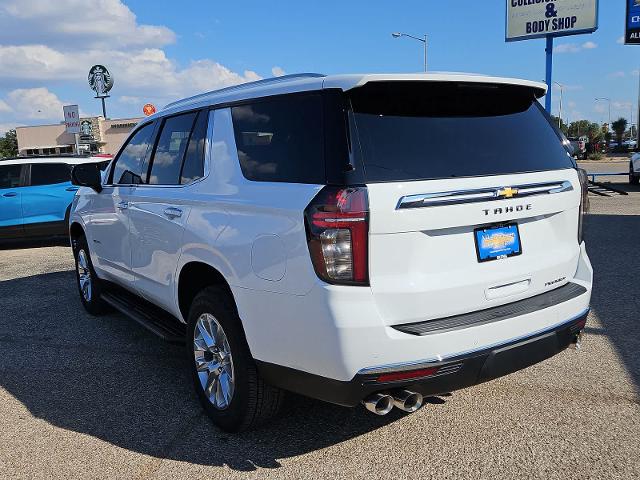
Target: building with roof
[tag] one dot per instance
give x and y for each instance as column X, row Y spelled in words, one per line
column 98, row 135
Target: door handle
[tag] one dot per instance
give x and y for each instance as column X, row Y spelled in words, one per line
column 173, row 212
column 123, row 205
column 10, row 194
column 71, row 189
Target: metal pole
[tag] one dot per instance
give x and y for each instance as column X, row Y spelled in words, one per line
column 104, row 109
column 638, row 116
column 77, row 144
column 425, row 53
column 560, row 116
column 549, row 51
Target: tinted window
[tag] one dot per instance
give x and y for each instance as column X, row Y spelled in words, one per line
column 10, row 176
column 281, row 140
column 50, row 174
column 193, row 167
column 428, row 130
column 128, row 167
column 169, row 153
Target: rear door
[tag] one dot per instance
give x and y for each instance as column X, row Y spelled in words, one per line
column 47, row 197
column 11, row 183
column 160, row 206
column 473, row 199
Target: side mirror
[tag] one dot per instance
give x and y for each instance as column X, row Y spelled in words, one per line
column 87, row 175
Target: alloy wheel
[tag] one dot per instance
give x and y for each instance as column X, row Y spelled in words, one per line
column 214, row 363
column 84, row 275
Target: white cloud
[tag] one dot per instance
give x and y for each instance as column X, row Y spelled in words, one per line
column 4, row 106
column 567, row 48
column 574, row 47
column 278, row 72
column 620, row 40
column 35, row 104
column 84, row 23
column 129, row 100
column 618, row 74
column 54, row 43
column 5, row 127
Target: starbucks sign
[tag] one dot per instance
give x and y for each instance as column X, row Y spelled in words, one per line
column 100, row 80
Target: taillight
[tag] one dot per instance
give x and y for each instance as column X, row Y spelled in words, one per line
column 584, row 202
column 338, row 229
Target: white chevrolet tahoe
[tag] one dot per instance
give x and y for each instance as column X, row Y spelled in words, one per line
column 337, row 236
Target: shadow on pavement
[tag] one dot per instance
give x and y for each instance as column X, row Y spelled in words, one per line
column 613, row 245
column 108, row 378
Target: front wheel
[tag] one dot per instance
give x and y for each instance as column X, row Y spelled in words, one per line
column 87, row 280
column 634, row 179
column 225, row 377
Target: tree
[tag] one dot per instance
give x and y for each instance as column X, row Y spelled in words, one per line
column 9, row 144
column 579, row 128
column 619, row 127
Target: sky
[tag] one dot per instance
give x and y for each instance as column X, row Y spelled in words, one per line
column 162, row 50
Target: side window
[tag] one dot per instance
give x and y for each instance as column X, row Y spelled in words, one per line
column 10, row 176
column 49, row 173
column 193, row 167
column 171, row 147
column 128, row 166
column 281, row 140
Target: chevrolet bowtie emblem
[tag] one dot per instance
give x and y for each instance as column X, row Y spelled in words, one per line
column 507, row 192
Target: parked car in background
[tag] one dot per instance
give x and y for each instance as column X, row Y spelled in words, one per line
column 634, row 169
column 36, row 194
column 334, row 236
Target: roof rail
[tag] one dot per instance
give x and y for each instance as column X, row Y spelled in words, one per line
column 242, row 86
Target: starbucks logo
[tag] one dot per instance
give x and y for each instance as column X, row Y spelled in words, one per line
column 100, row 80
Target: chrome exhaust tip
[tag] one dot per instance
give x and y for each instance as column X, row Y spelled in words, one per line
column 407, row 401
column 378, row 403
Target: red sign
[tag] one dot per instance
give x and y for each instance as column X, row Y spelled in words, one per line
column 149, row 109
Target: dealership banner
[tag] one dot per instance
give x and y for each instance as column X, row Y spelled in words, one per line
column 542, row 18
column 632, row 25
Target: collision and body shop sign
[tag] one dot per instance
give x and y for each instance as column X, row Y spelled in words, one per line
column 541, row 18
column 632, row 25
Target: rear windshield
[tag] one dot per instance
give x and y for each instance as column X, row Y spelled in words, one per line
column 430, row 130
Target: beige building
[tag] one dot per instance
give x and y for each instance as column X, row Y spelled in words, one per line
column 98, row 135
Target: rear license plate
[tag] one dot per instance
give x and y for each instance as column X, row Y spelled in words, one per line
column 494, row 243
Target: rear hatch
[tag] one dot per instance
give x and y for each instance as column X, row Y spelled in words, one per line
column 473, row 199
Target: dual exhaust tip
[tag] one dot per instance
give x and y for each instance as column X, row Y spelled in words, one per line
column 383, row 403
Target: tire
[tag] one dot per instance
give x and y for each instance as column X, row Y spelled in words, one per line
column 633, row 178
column 249, row 401
column 86, row 279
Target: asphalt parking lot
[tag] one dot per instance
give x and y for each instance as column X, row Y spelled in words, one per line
column 100, row 397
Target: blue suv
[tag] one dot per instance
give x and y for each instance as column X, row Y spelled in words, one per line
column 36, row 194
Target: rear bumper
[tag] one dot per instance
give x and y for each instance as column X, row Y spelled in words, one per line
column 450, row 374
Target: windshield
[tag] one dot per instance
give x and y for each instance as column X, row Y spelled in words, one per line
column 430, row 130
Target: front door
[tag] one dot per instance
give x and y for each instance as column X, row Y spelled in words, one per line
column 11, row 201
column 109, row 221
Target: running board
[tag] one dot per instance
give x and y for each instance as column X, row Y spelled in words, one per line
column 153, row 318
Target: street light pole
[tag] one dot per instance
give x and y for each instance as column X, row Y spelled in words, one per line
column 423, row 40
column 560, row 113
column 608, row 100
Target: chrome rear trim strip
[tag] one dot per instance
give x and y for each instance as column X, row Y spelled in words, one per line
column 482, row 195
column 441, row 359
